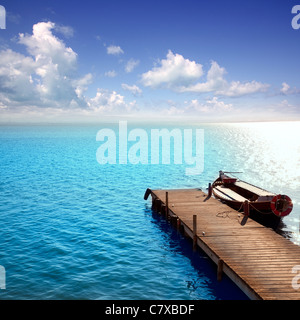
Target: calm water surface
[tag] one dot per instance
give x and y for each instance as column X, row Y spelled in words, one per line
column 74, row 229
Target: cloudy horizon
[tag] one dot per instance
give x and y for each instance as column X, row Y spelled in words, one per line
column 47, row 74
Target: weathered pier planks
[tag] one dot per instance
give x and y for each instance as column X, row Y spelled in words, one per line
column 260, row 261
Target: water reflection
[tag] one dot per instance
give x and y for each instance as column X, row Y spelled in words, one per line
column 273, row 158
column 268, row 154
column 202, row 283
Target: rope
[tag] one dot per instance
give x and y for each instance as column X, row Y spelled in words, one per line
column 226, row 214
column 241, row 207
column 223, row 214
column 257, row 209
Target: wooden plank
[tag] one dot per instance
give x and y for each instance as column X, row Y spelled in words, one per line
column 257, row 259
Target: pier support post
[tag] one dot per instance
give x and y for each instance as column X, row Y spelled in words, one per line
column 163, row 209
column 157, row 205
column 220, row 269
column 246, row 208
column 167, row 204
column 246, row 212
column 178, row 224
column 194, row 232
column 209, row 190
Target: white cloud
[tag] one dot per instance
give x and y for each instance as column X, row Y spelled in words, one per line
column 114, row 50
column 111, row 74
column 67, row 31
column 46, row 80
column 47, row 77
column 44, row 83
column 180, row 74
column 135, row 90
column 15, row 78
column 46, row 48
column 81, row 84
column 215, row 81
column 236, row 88
column 210, row 106
column 53, row 73
column 173, row 72
column 285, row 104
column 107, row 101
column 285, row 88
column 219, row 105
column 131, row 64
column 174, row 111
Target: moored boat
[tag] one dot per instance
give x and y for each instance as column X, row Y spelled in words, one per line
column 266, row 207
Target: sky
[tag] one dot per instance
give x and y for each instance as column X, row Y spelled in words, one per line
column 193, row 60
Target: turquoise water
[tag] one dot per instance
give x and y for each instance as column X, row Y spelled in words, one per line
column 74, row 229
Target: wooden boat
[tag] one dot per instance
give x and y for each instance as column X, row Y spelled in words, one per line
column 260, row 204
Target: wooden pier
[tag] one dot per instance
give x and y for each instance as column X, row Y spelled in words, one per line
column 260, row 261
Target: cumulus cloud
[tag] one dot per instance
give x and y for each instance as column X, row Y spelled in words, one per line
column 47, row 77
column 287, row 90
column 218, row 84
column 180, row 75
column 114, row 50
column 107, row 101
column 173, row 72
column 215, row 81
column 46, row 48
column 16, row 82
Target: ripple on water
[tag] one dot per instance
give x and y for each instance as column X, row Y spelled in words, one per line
column 73, row 229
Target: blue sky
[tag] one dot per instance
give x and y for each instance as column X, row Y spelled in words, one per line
column 161, row 60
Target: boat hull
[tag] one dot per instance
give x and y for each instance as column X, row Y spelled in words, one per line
column 259, row 211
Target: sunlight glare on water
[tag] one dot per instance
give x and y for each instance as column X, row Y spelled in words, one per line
column 271, row 151
column 74, row 229
column 280, row 146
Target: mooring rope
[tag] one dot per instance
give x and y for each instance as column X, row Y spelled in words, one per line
column 257, row 209
column 226, row 214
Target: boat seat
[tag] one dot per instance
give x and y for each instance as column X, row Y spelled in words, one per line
column 232, row 195
column 256, row 190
